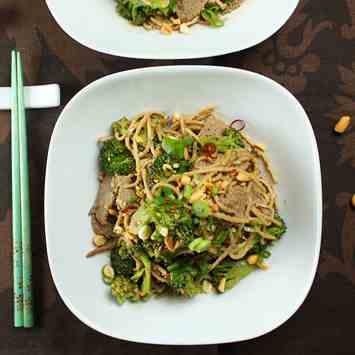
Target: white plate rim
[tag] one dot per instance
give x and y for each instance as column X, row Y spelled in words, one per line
column 136, row 54
column 318, row 197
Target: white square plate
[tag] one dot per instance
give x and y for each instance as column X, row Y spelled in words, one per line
column 261, row 302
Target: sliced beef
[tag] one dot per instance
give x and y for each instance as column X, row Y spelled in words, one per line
column 125, row 195
column 213, row 127
column 189, row 9
column 104, row 200
column 236, row 200
column 101, row 229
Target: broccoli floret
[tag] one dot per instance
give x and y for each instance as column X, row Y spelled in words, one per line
column 212, row 14
column 231, row 139
column 235, row 137
column 232, row 272
column 138, row 12
column 156, row 170
column 182, row 279
column 120, row 127
column 115, row 158
column 261, row 250
column 122, row 262
column 124, row 289
column 184, row 231
column 275, row 230
column 152, row 247
column 135, row 11
column 157, row 167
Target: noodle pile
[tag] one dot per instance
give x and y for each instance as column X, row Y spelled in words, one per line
column 224, row 201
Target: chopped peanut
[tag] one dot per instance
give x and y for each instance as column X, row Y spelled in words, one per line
column 252, row 259
column 353, row 201
column 166, row 29
column 175, row 117
column 99, row 240
column 342, row 124
column 260, row 146
column 224, row 184
column 222, row 285
column 185, row 180
column 243, row 177
column 167, row 167
column 169, row 243
column 261, row 265
column 184, row 28
column 186, row 154
column 208, row 185
column 197, row 195
column 112, row 212
column 214, row 207
column 207, row 286
column 175, row 21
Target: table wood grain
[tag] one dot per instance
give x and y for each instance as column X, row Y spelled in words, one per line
column 313, row 56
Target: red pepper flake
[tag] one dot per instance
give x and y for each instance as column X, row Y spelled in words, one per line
column 129, row 208
column 209, row 149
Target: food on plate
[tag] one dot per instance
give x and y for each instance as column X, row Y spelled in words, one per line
column 186, row 204
column 175, row 15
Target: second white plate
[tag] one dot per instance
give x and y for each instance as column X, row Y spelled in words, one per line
column 95, row 24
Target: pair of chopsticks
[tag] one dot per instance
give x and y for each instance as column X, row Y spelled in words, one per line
column 21, row 226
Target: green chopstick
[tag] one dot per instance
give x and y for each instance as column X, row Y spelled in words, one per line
column 28, row 320
column 16, row 206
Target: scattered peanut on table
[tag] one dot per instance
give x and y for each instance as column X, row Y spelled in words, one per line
column 342, row 125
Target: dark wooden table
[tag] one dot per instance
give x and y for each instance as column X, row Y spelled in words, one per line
column 313, row 56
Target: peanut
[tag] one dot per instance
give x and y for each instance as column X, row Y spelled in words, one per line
column 261, row 265
column 185, row 180
column 342, row 124
column 197, row 195
column 184, row 28
column 99, row 240
column 252, row 259
column 242, row 177
column 260, row 146
column 222, row 285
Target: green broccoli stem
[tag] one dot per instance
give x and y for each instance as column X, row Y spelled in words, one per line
column 147, row 280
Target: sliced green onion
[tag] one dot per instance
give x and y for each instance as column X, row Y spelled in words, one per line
column 199, row 245
column 201, row 209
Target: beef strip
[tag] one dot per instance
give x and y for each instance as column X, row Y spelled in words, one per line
column 101, row 229
column 104, row 200
column 189, row 9
column 236, row 199
column 125, row 195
